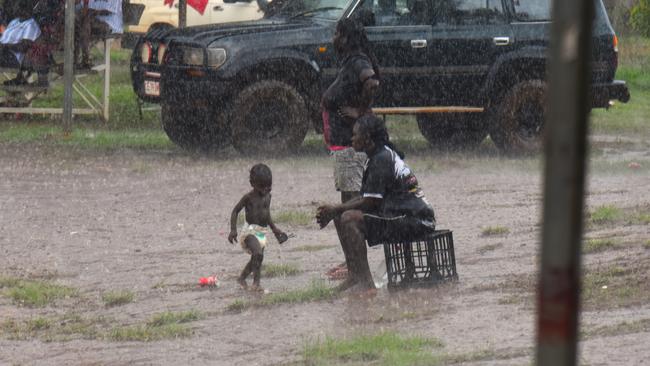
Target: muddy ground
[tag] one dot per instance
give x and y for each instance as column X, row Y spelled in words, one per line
column 154, row 222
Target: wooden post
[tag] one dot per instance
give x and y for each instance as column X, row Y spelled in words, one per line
column 68, row 65
column 564, row 181
column 182, row 13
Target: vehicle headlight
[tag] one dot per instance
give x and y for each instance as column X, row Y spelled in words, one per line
column 216, row 57
column 193, row 56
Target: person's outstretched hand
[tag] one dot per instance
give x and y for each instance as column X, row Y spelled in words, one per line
column 324, row 215
column 232, row 237
column 281, row 236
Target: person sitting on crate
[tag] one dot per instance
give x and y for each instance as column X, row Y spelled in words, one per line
column 98, row 19
column 391, row 207
column 17, row 39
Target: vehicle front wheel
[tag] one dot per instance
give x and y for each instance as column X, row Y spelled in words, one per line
column 518, row 120
column 269, row 116
column 452, row 131
column 198, row 129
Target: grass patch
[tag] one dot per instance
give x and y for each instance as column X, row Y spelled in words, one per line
column 629, row 118
column 51, row 329
column 280, row 270
column 317, row 291
column 489, row 248
column 143, row 333
column 387, row 348
column 616, row 286
column 643, row 218
column 238, row 306
column 599, row 245
column 494, row 231
column 85, row 137
column 486, row 355
column 169, row 317
column 311, row 248
column 605, row 215
column 300, row 218
column 636, row 326
column 646, row 245
column 117, row 298
column 34, row 293
column 167, row 325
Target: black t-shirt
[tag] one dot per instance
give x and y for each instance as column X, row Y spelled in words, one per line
column 345, row 91
column 386, row 176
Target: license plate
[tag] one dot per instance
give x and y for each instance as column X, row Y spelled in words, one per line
column 152, row 88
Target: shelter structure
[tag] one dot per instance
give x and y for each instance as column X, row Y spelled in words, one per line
column 20, row 98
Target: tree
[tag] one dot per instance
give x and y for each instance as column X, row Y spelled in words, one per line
column 640, row 17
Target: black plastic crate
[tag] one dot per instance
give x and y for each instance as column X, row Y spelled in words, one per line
column 423, row 261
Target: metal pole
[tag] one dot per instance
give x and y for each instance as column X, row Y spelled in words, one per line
column 564, row 180
column 68, row 65
column 107, row 78
column 182, row 13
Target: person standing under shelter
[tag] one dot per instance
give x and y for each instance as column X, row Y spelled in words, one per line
column 98, row 19
column 17, row 38
column 391, row 207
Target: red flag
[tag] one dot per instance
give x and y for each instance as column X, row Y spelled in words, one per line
column 199, row 5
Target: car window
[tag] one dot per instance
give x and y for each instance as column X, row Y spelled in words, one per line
column 468, row 12
column 533, row 10
column 402, row 12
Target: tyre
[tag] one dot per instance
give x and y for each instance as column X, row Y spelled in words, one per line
column 202, row 130
column 268, row 116
column 518, row 120
column 452, row 131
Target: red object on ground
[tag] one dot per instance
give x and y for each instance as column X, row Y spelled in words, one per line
column 208, row 281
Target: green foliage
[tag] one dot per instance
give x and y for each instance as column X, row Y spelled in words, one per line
column 34, row 293
column 116, row 298
column 640, row 17
column 387, row 348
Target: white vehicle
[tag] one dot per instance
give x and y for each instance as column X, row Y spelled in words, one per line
column 158, row 15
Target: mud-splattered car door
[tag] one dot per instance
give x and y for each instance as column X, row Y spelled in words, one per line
column 469, row 36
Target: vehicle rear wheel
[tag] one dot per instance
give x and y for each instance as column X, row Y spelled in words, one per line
column 269, row 116
column 518, row 120
column 452, row 131
column 199, row 129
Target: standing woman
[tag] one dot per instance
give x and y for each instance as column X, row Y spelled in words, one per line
column 346, row 99
column 392, row 205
